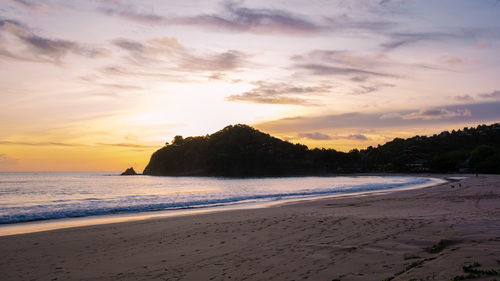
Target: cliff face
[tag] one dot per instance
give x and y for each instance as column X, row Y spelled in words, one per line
column 241, row 151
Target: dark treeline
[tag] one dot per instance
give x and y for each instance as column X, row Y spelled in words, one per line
column 241, row 151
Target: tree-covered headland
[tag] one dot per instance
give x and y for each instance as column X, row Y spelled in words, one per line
column 242, row 151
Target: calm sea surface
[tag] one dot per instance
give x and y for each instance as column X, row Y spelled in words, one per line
column 41, row 196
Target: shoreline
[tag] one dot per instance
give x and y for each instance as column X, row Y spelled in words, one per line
column 72, row 222
column 420, row 234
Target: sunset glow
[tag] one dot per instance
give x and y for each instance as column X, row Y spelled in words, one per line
column 100, row 85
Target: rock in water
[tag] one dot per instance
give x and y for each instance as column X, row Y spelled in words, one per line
column 129, row 172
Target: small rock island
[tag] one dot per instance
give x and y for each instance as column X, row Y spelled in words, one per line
column 129, row 172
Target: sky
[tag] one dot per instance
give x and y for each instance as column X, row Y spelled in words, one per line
column 99, row 85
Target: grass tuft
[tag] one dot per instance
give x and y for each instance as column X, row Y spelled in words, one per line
column 474, row 272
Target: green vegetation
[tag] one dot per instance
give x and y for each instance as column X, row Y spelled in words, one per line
column 472, row 272
column 241, row 151
column 468, row 150
column 237, row 151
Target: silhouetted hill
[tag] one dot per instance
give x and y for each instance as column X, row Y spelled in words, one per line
column 241, row 151
column 467, row 150
column 236, row 151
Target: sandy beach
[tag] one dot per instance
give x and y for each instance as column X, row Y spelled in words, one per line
column 425, row 234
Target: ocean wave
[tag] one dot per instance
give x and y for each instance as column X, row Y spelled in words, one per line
column 123, row 203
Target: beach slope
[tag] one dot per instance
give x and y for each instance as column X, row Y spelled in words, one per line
column 425, row 234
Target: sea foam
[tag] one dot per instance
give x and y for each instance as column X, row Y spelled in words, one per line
column 42, row 196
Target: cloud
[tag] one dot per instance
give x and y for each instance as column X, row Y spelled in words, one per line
column 6, row 54
column 493, row 95
column 228, row 60
column 241, row 19
column 358, row 137
column 482, row 45
column 165, row 45
column 366, row 89
column 25, row 3
column 476, row 36
column 346, row 23
column 217, row 76
column 321, row 69
column 169, row 54
column 131, row 13
column 35, row 6
column 359, row 79
column 463, row 98
column 382, row 7
column 426, row 114
column 109, row 90
column 255, row 98
column 37, row 143
column 314, row 136
column 402, row 39
column 57, row 48
column 12, row 26
column 129, row 45
column 385, row 2
column 233, row 18
column 279, row 93
column 343, row 57
column 6, row 160
column 360, row 65
column 341, row 62
column 35, row 48
column 129, row 145
column 149, row 73
column 485, row 96
column 398, row 40
column 51, row 48
column 122, row 86
column 454, row 61
column 453, row 114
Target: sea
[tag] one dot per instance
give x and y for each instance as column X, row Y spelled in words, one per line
column 37, row 196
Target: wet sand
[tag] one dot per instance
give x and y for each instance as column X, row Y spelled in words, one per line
column 425, row 234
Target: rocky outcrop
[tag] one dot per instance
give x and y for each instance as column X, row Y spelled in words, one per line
column 129, row 172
